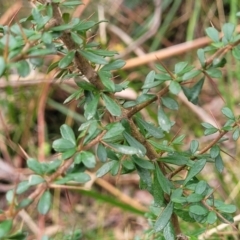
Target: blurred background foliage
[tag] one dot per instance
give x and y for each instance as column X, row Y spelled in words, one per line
column 97, row 212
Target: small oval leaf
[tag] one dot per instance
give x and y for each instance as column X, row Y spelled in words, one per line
column 164, row 218
column 45, row 202
column 111, row 105
column 66, row 60
column 104, row 169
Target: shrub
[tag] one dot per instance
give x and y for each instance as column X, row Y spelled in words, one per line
column 115, row 138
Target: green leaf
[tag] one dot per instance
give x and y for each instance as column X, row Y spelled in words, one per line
column 5, row 227
column 214, row 151
column 62, row 145
column 160, row 68
column 169, row 103
column 105, row 168
column 35, row 166
column 149, row 85
column 210, row 131
column 198, row 210
column 106, row 80
column 157, row 191
column 37, row 17
column 22, row 187
column 35, row 180
column 76, row 95
column 212, row 33
column 64, row 27
column 101, row 153
column 219, row 62
column 36, row 62
column 44, row 203
column 105, row 53
column 113, row 65
column 77, row 158
column 228, row 30
column 211, row 217
column 201, row 187
column 93, row 57
column 114, row 130
column 2, row 65
column 194, row 197
column 193, row 92
column 184, row 215
column 111, row 105
column 164, row 218
column 24, row 203
column 144, row 97
column 83, row 26
column 174, row 87
column 175, row 158
column 18, row 236
column 227, row 208
column 207, row 125
column 161, row 147
column 91, row 107
column 88, row 159
column 194, row 146
column 10, row 196
column 66, row 60
column 68, row 154
column 201, row 56
column 52, row 66
column 228, row 113
column 179, row 67
column 85, row 85
column 163, row 120
column 75, row 37
column 151, row 129
column 23, row 68
column 149, row 79
column 66, row 17
column 168, row 232
column 145, row 178
column 71, row 3
column 163, row 181
column 115, row 168
column 190, row 74
column 67, row 133
column 79, row 177
column 219, row 163
column 128, row 164
column 163, row 77
column 236, row 52
column 51, row 166
column 236, row 134
column 134, row 143
column 47, row 38
column 195, row 169
column 124, row 149
column 143, row 163
column 41, row 52
column 214, row 73
column 176, row 193
column 179, row 140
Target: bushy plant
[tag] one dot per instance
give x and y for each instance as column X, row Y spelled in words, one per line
column 115, row 135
